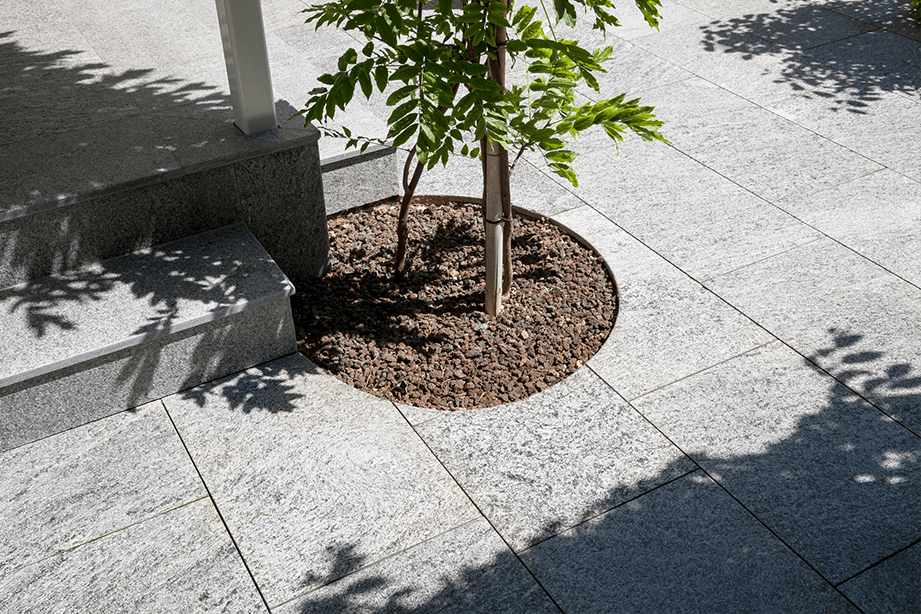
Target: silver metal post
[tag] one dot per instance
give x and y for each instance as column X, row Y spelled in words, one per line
column 247, row 58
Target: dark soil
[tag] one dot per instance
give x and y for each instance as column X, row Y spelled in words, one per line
column 426, row 341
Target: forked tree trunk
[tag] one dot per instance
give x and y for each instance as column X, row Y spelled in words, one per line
column 409, row 189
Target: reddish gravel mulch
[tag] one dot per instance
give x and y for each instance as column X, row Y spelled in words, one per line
column 426, row 341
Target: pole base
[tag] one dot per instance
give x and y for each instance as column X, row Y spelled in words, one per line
column 493, row 303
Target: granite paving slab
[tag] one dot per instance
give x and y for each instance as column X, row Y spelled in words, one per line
column 67, row 490
column 466, row 570
column 181, row 561
column 863, row 128
column 754, row 68
column 893, row 586
column 846, row 314
column 58, row 321
column 630, row 69
column 314, row 478
column 685, row 547
column 798, row 26
column 173, row 39
column 893, row 15
column 541, row 465
column 655, row 341
column 838, row 481
column 887, row 60
column 738, row 8
column 84, row 160
column 634, row 25
column 56, row 87
column 878, row 216
column 750, row 145
column 698, row 220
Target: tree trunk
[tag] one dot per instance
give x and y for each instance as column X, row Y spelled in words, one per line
column 497, row 208
column 409, row 189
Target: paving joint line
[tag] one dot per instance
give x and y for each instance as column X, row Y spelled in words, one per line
column 734, row 498
column 220, row 515
column 881, row 561
column 373, row 563
column 483, row 515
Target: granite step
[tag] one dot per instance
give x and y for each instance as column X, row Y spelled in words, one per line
column 82, row 345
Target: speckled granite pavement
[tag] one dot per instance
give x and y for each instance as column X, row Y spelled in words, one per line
column 747, row 440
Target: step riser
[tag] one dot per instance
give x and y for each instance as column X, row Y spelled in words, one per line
column 278, row 196
column 70, row 397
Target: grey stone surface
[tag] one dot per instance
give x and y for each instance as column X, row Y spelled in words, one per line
column 686, row 547
column 801, row 26
column 752, row 67
column 726, row 10
column 846, row 314
column 60, row 321
column 462, row 177
column 64, row 491
column 350, row 481
column 654, row 341
column 417, row 415
column 466, row 570
column 828, row 473
column 893, row 586
column 76, row 395
column 351, row 179
column 58, row 167
column 861, row 129
column 50, row 87
column 173, row 39
column 281, row 203
column 532, row 188
column 893, row 15
column 888, row 61
column 718, row 129
column 61, row 239
column 701, row 222
column 633, row 25
column 182, row 561
column 878, row 216
column 631, row 69
column 255, row 174
column 539, row 466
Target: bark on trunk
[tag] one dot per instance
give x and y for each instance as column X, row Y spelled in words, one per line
column 497, row 206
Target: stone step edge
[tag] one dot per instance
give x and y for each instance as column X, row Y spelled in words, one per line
column 137, row 340
column 285, row 290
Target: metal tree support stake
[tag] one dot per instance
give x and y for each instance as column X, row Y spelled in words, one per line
column 494, row 229
column 247, row 60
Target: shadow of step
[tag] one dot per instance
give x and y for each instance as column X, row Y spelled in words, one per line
column 85, row 344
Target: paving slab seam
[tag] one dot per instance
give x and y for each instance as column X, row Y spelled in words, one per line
column 768, row 257
column 103, row 536
column 220, row 515
column 734, row 498
column 880, row 562
column 764, row 108
column 588, row 519
column 373, row 563
column 480, row 511
column 698, row 372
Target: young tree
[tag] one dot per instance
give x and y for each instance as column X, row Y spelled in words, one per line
column 445, row 71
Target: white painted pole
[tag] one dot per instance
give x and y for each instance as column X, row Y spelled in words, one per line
column 247, row 58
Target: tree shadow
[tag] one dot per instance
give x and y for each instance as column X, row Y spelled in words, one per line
column 824, row 52
column 86, row 147
column 818, row 491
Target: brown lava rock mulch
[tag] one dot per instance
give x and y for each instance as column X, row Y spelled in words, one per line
column 426, row 341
